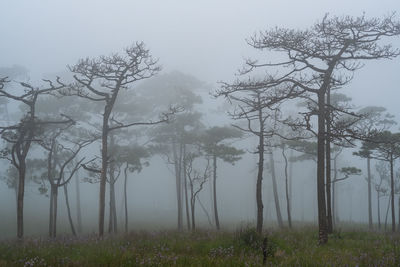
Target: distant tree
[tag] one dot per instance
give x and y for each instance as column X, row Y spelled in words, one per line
column 380, row 184
column 214, row 144
column 386, row 146
column 283, row 147
column 196, row 180
column 133, row 163
column 271, row 167
column 62, row 163
column 339, row 117
column 374, row 119
column 336, row 153
column 258, row 120
column 21, row 135
column 101, row 80
column 171, row 141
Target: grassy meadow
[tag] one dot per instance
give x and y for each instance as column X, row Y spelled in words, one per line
column 242, row 247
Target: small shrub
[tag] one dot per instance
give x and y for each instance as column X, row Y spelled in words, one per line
column 248, row 237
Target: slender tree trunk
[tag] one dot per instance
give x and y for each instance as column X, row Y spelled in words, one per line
column 113, row 220
column 334, row 194
column 328, row 166
column 392, row 193
column 20, row 202
column 51, row 211
column 113, row 207
column 370, row 225
column 287, row 188
column 55, row 206
column 259, row 201
column 178, row 185
column 126, row 196
column 260, row 205
column 192, row 201
column 379, row 211
column 215, row 192
column 275, row 189
column 110, row 214
column 335, row 207
column 78, row 204
column 192, row 205
column 290, row 180
column 103, row 175
column 387, row 212
column 71, row 223
column 185, row 187
column 322, row 221
column 110, row 220
column 398, row 227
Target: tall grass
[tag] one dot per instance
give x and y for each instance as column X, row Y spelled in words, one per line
column 242, row 247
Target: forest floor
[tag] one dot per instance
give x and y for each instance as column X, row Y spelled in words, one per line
column 207, row 248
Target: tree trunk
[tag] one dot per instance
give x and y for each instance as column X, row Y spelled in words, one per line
column 185, row 187
column 71, row 223
column 275, row 189
column 51, row 211
column 259, row 201
column 334, row 194
column 370, row 225
column 103, row 174
column 290, row 180
column 78, row 204
column 178, row 185
column 387, row 212
column 215, row 192
column 322, row 221
column 55, row 210
column 192, row 205
column 20, row 202
column 379, row 211
column 328, row 166
column 398, row 227
column 113, row 207
column 392, row 193
column 110, row 214
column 287, row 188
column 113, row 215
column 126, row 197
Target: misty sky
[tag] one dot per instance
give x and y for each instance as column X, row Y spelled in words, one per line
column 204, row 38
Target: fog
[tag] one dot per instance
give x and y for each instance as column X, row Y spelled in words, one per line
column 205, row 43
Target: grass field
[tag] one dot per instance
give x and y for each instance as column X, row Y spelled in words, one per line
column 207, row 248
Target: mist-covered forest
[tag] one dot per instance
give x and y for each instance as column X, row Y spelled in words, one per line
column 199, row 134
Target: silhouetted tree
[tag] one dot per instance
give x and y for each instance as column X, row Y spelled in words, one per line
column 196, row 180
column 21, row 135
column 101, row 80
column 214, row 144
column 258, row 117
column 386, row 146
column 382, row 168
column 374, row 119
column 323, row 56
